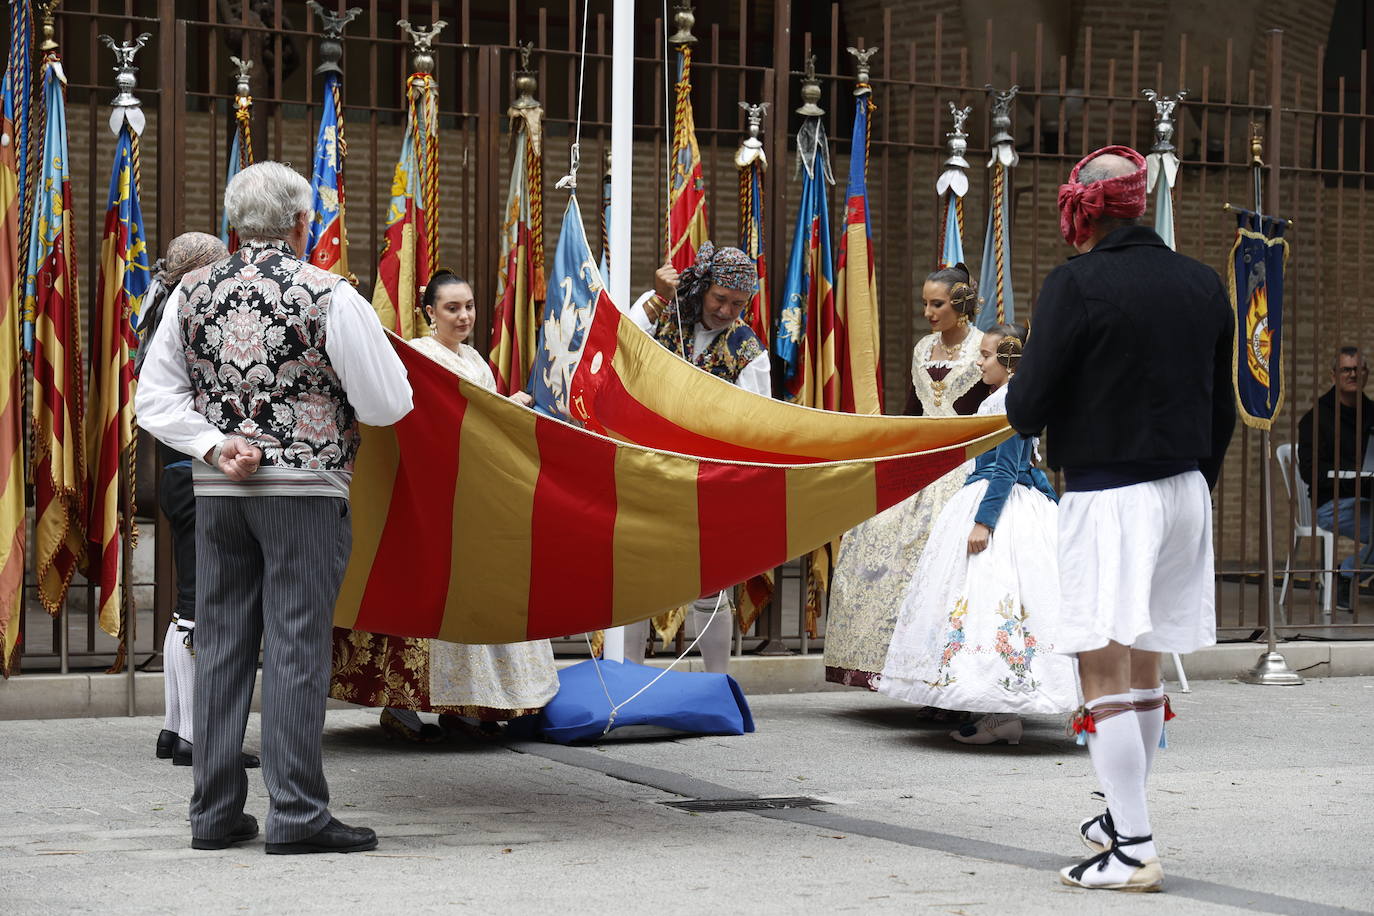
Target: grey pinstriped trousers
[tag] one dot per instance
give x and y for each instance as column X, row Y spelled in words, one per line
column 268, row 570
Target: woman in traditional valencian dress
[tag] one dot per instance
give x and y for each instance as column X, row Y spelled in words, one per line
column 472, row 687
column 877, row 559
column 974, row 630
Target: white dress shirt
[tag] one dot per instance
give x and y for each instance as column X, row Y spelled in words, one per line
column 755, row 377
column 372, row 376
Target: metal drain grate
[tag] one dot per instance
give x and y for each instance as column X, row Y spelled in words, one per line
column 712, row 805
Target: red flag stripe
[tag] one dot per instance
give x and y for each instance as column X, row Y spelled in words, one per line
column 572, row 567
column 727, row 494
column 420, row 536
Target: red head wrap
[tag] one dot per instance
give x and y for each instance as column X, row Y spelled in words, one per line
column 1082, row 206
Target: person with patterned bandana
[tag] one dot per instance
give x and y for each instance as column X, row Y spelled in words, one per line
column 262, row 369
column 708, row 299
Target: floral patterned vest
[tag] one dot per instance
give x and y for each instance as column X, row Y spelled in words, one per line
column 254, row 330
column 726, row 356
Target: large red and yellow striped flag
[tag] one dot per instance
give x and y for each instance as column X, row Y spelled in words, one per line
column 12, row 160
column 520, row 302
column 58, row 468
column 124, row 278
column 858, row 368
column 410, row 250
column 648, row 500
column 687, row 191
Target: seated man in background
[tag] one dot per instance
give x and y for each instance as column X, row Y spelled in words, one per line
column 1339, row 426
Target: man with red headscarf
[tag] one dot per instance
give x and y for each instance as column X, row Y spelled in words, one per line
column 1128, row 370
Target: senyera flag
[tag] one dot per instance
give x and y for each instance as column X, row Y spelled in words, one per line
column 58, row 462
column 662, row 484
column 687, row 191
column 520, row 298
column 14, row 105
column 124, row 278
column 411, row 242
column 327, row 246
column 858, row 369
column 1255, row 277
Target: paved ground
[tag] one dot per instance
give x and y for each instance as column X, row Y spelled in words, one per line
column 1261, row 804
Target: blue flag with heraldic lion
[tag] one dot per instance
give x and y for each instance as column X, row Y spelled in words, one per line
column 1255, row 277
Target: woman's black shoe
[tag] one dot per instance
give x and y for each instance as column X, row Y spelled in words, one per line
column 166, row 740
column 181, row 755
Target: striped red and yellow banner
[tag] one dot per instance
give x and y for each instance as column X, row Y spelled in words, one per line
column 124, row 278
column 857, row 365
column 554, row 529
column 13, row 106
column 58, row 468
column 410, row 250
column 520, row 302
column 687, row 190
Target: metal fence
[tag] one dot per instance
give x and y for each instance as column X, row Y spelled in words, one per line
column 1315, row 145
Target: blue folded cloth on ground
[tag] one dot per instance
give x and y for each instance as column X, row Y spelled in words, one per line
column 680, row 703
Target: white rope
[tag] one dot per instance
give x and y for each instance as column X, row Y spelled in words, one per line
column 616, row 707
column 575, row 156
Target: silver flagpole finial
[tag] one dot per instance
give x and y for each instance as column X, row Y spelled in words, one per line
column 422, row 44
column 1003, row 143
column 810, row 91
column 126, row 104
column 862, row 57
column 331, row 42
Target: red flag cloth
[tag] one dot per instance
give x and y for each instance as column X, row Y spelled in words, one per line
column 543, row 528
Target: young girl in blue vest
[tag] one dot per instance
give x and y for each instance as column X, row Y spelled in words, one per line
column 972, row 630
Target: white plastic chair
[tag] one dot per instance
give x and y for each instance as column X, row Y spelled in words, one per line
column 1304, row 527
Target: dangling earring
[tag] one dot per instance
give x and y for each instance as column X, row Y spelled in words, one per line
column 963, row 321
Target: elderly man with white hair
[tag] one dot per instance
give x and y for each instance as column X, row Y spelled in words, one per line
column 261, row 369
column 1128, row 369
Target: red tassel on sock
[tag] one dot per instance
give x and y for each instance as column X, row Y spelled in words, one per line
column 1168, row 709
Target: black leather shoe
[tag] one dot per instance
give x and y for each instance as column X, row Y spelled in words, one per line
column 333, row 837
column 181, row 755
column 247, row 829
column 166, row 739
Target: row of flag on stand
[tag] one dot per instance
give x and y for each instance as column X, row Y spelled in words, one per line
column 81, row 433
column 825, row 333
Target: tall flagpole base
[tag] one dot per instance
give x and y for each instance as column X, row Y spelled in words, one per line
column 1272, row 671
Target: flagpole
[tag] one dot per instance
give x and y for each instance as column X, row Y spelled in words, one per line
column 1271, row 669
column 622, row 152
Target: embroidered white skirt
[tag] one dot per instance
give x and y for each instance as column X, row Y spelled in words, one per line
column 1135, row 567
column 973, row 632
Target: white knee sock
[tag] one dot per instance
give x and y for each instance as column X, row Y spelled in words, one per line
column 171, row 717
column 636, row 638
column 184, row 668
column 1118, row 756
column 714, row 644
column 1150, row 721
